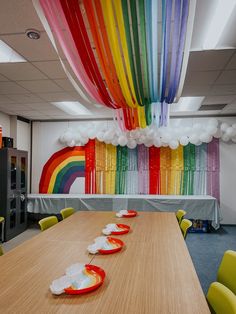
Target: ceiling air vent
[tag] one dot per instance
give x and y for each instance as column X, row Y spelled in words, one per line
column 212, row 107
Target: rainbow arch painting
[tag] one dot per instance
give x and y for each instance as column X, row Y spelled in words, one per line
column 61, row 170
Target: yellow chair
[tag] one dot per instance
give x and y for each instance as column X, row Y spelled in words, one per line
column 221, row 299
column 48, row 222
column 227, row 271
column 2, row 221
column 180, row 215
column 184, row 226
column 66, row 212
column 1, row 251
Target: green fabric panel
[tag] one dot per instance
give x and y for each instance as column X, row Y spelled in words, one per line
column 129, row 45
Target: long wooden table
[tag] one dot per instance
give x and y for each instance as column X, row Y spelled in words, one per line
column 152, row 274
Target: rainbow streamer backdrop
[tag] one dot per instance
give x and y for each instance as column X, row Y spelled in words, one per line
column 125, row 54
column 188, row 170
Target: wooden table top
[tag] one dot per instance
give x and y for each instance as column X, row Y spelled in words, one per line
column 152, row 274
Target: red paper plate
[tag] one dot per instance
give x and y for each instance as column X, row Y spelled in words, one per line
column 125, row 228
column 99, row 276
column 118, row 245
column 131, row 213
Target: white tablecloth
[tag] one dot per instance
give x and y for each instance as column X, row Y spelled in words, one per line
column 197, row 206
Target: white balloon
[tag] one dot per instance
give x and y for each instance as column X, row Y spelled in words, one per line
column 157, row 142
column 231, row 132
column 100, row 136
column 114, row 142
column 209, row 139
column 184, row 140
column 62, row 139
column 213, row 121
column 193, row 138
column 131, row 144
column 68, row 136
column 166, row 138
column 197, row 126
column 92, row 133
column 218, row 133
column 211, row 129
column 224, row 126
column 234, row 125
column 122, row 140
column 174, row 144
column 71, row 143
column 225, row 138
column 148, row 143
column 233, row 139
column 204, row 137
column 84, row 140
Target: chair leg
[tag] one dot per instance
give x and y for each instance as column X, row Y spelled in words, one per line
column 3, row 226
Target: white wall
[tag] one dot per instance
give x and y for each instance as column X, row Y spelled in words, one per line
column 23, row 141
column 23, row 135
column 45, row 143
column 5, row 123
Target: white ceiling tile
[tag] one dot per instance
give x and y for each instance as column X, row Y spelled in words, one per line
column 218, row 99
column 195, row 90
column 31, row 50
column 41, row 106
column 229, row 109
column 18, row 107
column 25, row 98
column 53, row 69
column 65, row 84
column 18, row 15
column 227, row 77
column 4, row 99
column 223, row 90
column 40, row 86
column 11, row 88
column 52, row 112
column 209, row 60
column 232, row 63
column 60, row 96
column 21, row 71
column 3, row 78
column 200, row 78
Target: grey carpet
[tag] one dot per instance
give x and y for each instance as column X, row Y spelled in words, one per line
column 207, row 250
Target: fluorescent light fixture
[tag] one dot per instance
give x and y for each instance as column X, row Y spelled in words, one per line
column 74, row 108
column 187, row 104
column 7, row 54
column 221, row 15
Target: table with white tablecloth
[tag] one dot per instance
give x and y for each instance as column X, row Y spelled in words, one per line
column 202, row 207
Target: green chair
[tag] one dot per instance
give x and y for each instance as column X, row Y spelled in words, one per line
column 66, row 212
column 2, row 221
column 221, row 299
column 48, row 222
column 180, row 215
column 227, row 271
column 184, row 226
column 1, row 251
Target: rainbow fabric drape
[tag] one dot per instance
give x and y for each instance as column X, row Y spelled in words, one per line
column 188, row 170
column 125, row 54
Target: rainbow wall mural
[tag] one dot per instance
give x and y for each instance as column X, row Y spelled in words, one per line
column 61, row 170
column 107, row 169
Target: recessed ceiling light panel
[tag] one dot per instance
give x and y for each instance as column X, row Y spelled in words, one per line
column 73, row 108
column 8, row 55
